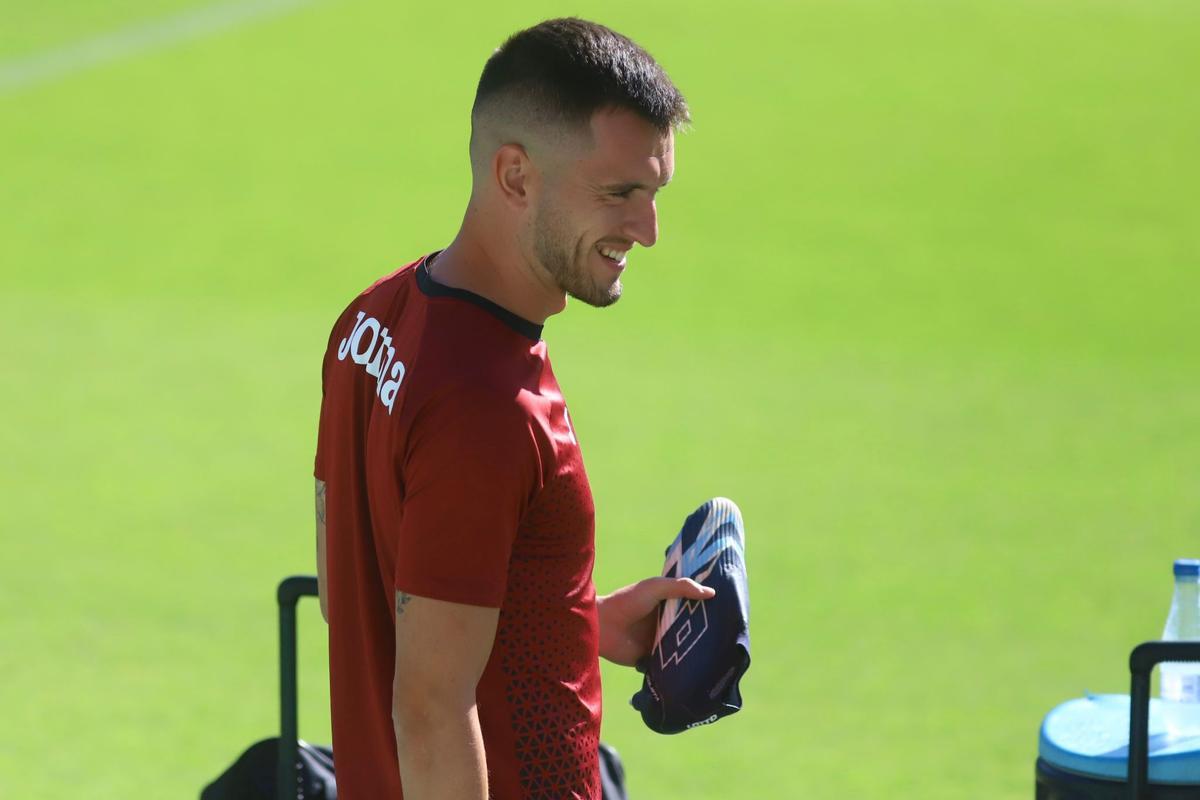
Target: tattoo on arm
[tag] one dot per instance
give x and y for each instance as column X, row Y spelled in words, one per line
column 321, row 502
column 401, row 601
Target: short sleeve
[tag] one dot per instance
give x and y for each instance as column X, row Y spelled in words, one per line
column 470, row 471
column 324, row 418
column 319, row 471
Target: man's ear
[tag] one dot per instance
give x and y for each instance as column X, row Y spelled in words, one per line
column 514, row 174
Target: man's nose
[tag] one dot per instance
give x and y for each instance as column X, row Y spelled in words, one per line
column 643, row 226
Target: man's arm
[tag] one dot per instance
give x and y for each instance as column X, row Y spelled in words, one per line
column 441, row 651
column 321, row 549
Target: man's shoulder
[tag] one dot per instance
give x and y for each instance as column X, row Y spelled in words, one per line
column 372, row 300
column 463, row 346
column 443, row 349
column 383, row 290
column 475, row 379
column 392, row 281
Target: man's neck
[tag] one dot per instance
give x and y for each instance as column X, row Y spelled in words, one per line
column 501, row 277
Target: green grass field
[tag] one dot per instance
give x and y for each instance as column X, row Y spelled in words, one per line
column 926, row 304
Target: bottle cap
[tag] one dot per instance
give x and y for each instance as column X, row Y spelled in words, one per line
column 1187, row 567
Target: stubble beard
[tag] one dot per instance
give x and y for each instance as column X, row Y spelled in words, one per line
column 567, row 262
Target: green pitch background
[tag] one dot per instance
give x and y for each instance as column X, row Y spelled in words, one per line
column 926, row 304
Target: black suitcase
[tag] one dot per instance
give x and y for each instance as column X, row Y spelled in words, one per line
column 287, row 768
column 281, row 767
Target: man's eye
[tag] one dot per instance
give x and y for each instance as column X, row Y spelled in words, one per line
column 623, row 193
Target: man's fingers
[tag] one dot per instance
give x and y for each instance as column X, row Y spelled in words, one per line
column 696, row 590
column 682, row 588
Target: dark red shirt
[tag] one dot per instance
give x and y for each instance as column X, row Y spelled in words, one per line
column 452, row 472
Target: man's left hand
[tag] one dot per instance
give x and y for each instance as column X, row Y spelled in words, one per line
column 628, row 619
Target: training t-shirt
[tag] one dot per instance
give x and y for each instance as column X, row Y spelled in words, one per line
column 452, row 472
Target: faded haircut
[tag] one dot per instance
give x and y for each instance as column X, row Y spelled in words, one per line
column 560, row 72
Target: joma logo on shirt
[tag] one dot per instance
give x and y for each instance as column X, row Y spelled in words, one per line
column 370, row 345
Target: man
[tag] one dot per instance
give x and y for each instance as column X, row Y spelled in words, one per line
column 455, row 521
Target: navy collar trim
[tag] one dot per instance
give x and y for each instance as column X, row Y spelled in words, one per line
column 432, row 288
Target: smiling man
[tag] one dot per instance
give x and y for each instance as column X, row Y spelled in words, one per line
column 455, row 525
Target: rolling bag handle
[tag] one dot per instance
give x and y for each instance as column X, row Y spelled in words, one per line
column 1141, row 663
column 289, row 593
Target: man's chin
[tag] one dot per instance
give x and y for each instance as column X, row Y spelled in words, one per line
column 597, row 297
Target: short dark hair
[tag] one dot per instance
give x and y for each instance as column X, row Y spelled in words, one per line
column 564, row 70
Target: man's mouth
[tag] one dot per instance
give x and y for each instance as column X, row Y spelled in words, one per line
column 613, row 255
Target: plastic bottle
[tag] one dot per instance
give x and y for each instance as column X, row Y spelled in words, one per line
column 1181, row 679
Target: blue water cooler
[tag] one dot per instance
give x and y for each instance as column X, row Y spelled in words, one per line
column 1124, row 747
